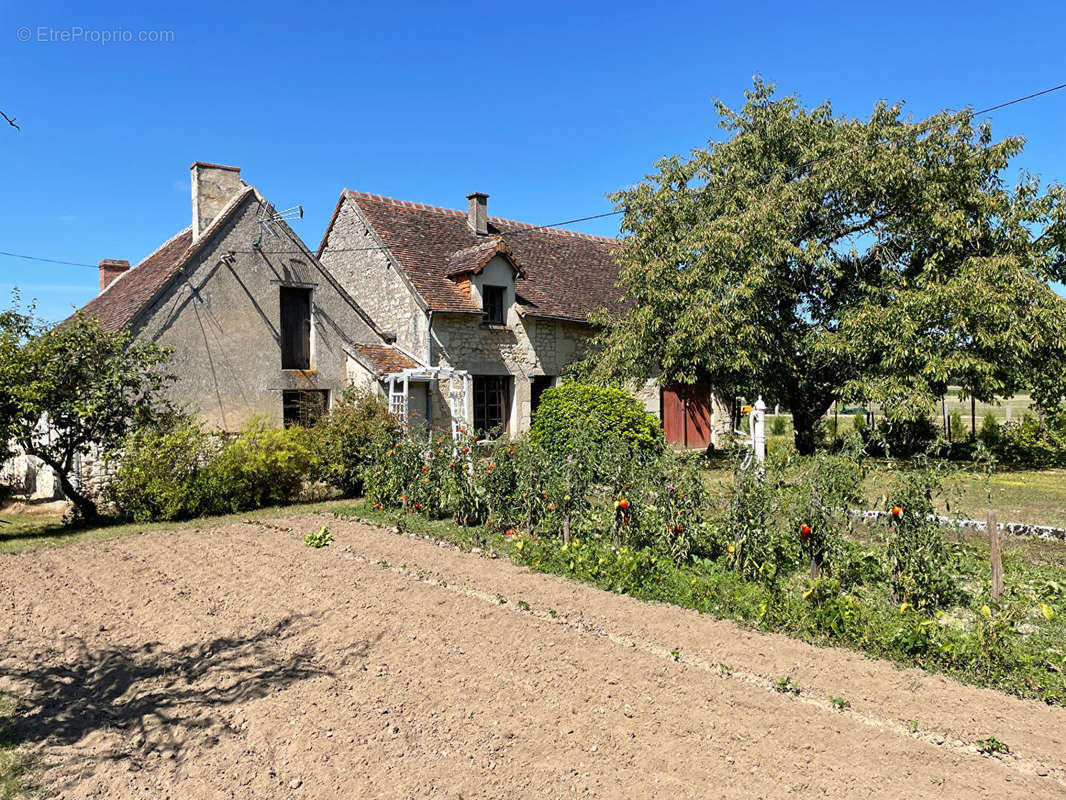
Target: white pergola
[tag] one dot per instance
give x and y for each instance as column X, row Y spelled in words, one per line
column 399, row 387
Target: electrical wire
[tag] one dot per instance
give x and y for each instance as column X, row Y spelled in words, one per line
column 527, row 229
column 49, row 260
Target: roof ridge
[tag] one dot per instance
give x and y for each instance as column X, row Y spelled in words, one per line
column 122, row 275
column 491, row 242
column 456, row 212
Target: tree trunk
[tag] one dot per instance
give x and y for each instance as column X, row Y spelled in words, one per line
column 83, row 503
column 805, row 434
column 806, row 413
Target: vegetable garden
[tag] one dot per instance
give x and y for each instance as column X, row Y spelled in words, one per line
column 777, row 549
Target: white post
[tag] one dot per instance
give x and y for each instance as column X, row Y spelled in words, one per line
column 468, row 405
column 758, row 430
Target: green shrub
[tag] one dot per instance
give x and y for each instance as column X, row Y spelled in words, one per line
column 161, row 473
column 958, row 429
column 261, row 466
column 989, row 432
column 903, row 438
column 347, row 436
column 575, row 411
column 778, row 426
column 182, row 471
column 1028, row 442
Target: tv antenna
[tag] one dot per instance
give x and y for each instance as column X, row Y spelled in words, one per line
column 268, row 216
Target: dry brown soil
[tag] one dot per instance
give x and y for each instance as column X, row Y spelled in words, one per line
column 239, row 663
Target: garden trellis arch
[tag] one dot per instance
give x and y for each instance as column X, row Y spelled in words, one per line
column 398, row 389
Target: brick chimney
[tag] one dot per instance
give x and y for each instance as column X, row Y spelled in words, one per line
column 477, row 217
column 111, row 268
column 213, row 185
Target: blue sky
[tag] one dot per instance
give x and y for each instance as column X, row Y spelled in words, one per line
column 545, row 106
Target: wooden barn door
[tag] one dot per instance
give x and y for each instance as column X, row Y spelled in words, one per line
column 686, row 412
column 697, row 418
column 673, row 411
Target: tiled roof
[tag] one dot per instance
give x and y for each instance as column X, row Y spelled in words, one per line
column 120, row 302
column 386, row 359
column 474, row 259
column 135, row 289
column 565, row 274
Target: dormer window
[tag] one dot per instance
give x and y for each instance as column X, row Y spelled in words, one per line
column 492, row 303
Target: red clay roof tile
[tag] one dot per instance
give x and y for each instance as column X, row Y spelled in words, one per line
column 121, row 301
column 566, row 275
column 386, row 359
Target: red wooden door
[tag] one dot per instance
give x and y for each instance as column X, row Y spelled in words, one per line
column 686, row 414
column 673, row 413
column 697, row 418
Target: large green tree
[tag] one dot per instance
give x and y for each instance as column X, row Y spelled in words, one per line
column 73, row 389
column 812, row 257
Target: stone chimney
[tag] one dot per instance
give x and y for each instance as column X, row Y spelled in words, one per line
column 213, row 185
column 111, row 268
column 477, row 217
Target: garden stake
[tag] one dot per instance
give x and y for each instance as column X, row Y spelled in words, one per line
column 996, row 558
column 569, row 490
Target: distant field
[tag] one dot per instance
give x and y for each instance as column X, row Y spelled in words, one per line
column 1037, row 497
column 1019, row 404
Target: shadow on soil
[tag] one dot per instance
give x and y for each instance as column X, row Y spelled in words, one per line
column 154, row 698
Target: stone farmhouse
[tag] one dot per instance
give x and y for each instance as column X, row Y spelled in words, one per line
column 258, row 326
column 458, row 318
column 503, row 303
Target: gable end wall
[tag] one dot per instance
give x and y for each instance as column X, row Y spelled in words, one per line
column 223, row 322
column 374, row 283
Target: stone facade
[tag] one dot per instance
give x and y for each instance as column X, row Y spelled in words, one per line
column 525, row 347
column 222, row 319
column 354, row 254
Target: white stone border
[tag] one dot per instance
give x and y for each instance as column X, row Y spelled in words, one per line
column 1024, row 529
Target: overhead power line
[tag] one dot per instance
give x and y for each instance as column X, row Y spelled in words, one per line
column 1019, row 99
column 802, row 166
column 526, row 229
column 49, row 260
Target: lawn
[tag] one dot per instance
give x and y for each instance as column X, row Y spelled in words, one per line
column 13, row 763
